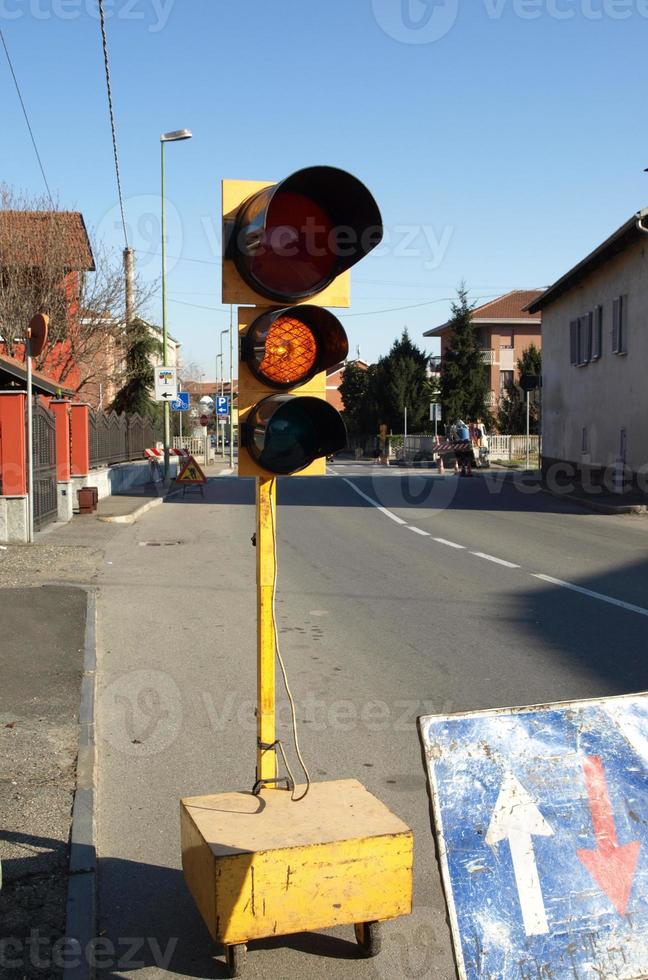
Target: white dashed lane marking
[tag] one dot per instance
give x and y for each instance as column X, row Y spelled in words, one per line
column 593, row 595
column 498, row 561
column 550, row 580
column 374, row 503
column 449, row 544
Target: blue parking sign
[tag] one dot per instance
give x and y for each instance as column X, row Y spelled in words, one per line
column 222, row 404
column 541, row 821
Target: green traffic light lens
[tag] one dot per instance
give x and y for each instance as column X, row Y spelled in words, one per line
column 287, row 432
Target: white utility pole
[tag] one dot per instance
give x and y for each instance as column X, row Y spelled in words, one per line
column 129, row 279
column 231, row 392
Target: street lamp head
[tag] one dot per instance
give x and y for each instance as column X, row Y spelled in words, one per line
column 176, row 135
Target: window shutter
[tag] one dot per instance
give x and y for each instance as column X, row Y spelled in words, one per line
column 589, row 345
column 623, row 324
column 573, row 342
column 597, row 341
column 616, row 324
column 582, row 340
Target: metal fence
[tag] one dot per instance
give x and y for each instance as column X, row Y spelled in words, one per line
column 195, row 446
column 117, row 438
column 44, row 456
column 512, row 447
column 421, row 447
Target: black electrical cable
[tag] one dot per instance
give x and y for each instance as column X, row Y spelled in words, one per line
column 104, row 41
column 24, row 109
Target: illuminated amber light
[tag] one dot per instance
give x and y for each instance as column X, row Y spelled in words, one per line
column 290, row 351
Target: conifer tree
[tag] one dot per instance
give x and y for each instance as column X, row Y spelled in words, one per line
column 464, row 380
column 142, row 348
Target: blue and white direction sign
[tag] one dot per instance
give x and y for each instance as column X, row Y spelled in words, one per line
column 222, row 404
column 181, row 402
column 541, row 821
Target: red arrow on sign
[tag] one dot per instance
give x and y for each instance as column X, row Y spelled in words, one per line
column 611, row 865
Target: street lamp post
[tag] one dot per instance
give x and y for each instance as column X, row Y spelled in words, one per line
column 222, row 387
column 231, row 403
column 174, row 137
column 219, row 388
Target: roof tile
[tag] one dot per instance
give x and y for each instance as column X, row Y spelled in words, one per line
column 24, row 238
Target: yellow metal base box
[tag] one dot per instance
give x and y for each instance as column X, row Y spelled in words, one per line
column 260, row 866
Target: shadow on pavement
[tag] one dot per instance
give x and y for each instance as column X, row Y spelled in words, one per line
column 481, row 493
column 157, row 913
column 602, row 642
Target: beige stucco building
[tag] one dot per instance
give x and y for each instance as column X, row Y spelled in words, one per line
column 595, row 356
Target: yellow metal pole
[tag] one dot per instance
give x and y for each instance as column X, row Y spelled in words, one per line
column 266, row 571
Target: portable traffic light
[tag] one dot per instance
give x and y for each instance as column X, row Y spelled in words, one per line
column 291, row 243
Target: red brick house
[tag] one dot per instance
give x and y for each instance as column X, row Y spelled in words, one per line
column 334, row 378
column 505, row 329
column 29, row 240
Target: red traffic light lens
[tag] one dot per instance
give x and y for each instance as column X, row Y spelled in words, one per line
column 284, row 348
column 294, row 253
column 291, row 240
column 290, row 352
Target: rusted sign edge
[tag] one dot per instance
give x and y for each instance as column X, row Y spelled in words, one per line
column 441, row 855
column 436, row 821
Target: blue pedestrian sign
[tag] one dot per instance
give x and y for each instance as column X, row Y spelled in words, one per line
column 541, row 820
column 222, row 405
column 181, row 402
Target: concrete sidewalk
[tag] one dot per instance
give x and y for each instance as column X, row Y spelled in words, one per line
column 128, row 507
column 41, row 660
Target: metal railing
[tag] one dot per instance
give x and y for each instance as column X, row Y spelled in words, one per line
column 489, row 356
column 512, row 447
column 195, row 446
column 117, row 438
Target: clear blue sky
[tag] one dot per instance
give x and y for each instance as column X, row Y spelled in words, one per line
column 509, row 134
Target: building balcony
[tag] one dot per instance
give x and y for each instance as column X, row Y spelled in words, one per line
column 489, row 356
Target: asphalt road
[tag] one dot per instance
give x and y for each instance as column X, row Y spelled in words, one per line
column 400, row 594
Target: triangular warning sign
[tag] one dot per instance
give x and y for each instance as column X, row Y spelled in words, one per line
column 191, row 473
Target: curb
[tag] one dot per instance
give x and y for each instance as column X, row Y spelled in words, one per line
column 81, row 910
column 131, row 518
column 586, row 504
column 136, row 514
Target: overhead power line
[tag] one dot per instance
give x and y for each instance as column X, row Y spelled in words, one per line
column 104, row 41
column 356, row 279
column 24, row 109
column 394, row 309
column 414, row 306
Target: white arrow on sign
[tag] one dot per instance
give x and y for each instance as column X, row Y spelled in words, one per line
column 516, row 818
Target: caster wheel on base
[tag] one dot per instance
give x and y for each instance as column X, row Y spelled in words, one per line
column 369, row 937
column 235, row 958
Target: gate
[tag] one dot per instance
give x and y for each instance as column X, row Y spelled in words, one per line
column 45, row 501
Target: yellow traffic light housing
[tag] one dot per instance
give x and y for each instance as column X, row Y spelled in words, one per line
column 287, row 251
column 294, row 241
column 286, row 425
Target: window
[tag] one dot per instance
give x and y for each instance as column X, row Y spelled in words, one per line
column 586, row 338
column 506, row 380
column 620, row 325
column 597, row 335
column 584, row 441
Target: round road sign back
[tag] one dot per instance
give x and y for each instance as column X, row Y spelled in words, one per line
column 37, row 333
column 204, row 419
